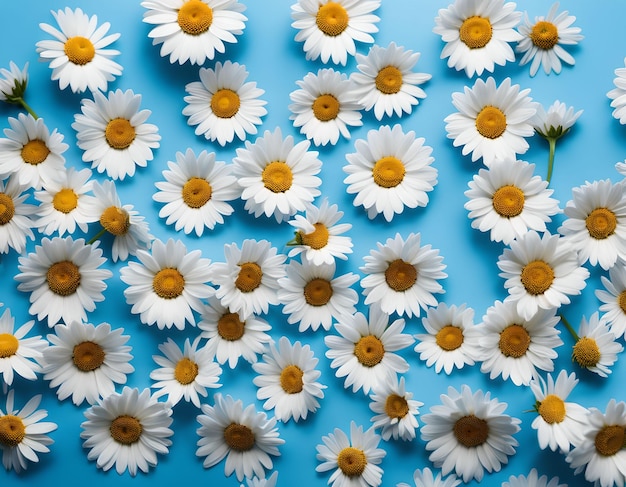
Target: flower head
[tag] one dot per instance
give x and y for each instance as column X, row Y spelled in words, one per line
column 596, row 347
column 395, row 411
column 556, row 121
column 613, row 299
column 13, row 83
column 16, row 216
column 618, row 100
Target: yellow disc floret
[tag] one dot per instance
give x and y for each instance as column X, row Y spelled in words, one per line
column 601, row 223
column 8, row 345
column 552, row 409
column 610, row 440
column 7, row 208
column 12, row 430
column 126, row 430
column 88, row 356
column 34, row 152
column 449, row 338
column 195, row 17
column 317, row 292
column 239, row 437
column 508, row 201
column 277, row 177
column 396, row 406
column 471, row 431
column 185, row 371
column 168, row 283
column 369, row 350
column 586, row 352
column 119, row 133
column 79, row 50
column 291, row 379
column 65, row 200
column 491, row 122
column 63, row 278
column 388, row 172
column 196, row 192
column 317, row 239
column 115, row 220
column 476, row 32
column 351, row 461
column 544, row 35
column 230, row 327
column 514, row 341
column 225, row 103
column 332, row 19
column 326, row 108
column 389, row 80
column 537, row 277
column 400, row 275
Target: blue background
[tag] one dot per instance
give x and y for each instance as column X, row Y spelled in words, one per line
column 275, row 61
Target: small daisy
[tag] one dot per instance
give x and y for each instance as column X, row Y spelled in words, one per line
column 543, row 40
column 31, row 151
column 257, row 482
column 248, row 281
column 15, row 216
column 401, row 276
column 313, row 296
column 167, row 284
column 287, row 380
column 113, row 133
column 78, row 56
column 13, row 82
column 533, row 480
column 451, row 339
column 22, row 433
column 364, row 351
column 389, row 171
column 469, row 433
column 246, row 438
column 325, row 106
column 618, row 95
column 64, row 279
column 426, row 478
column 596, row 347
column 193, row 30
column 613, row 299
column 223, row 105
column 127, row 430
column 541, row 272
column 277, row 177
column 395, row 411
column 330, row 27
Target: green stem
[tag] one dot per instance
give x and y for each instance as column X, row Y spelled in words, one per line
column 552, row 142
column 569, row 328
column 97, row 236
column 27, row 107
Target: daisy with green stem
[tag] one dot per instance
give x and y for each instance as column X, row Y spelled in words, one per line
column 13, row 87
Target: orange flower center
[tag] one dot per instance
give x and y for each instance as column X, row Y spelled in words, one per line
column 326, row 108
column 552, row 409
column 396, row 406
column 79, row 50
column 449, row 338
column 7, row 208
column 332, row 19
column 471, row 431
column 277, row 177
column 291, row 379
column 586, row 352
column 544, row 35
column 317, row 292
column 537, row 277
column 12, row 430
column 126, row 430
column 351, row 461
column 514, row 341
column 88, row 356
column 369, row 351
column 249, row 277
column 508, row 201
column 8, row 345
column 196, row 192
column 476, row 32
column 388, row 172
column 389, row 80
column 230, row 327
column 317, row 239
column 63, row 278
column 65, row 200
column 195, row 17
column 225, row 103
column 115, row 220
column 601, row 223
column 491, row 122
column 186, row 371
column 400, row 275
column 239, row 437
column 35, row 152
column 119, row 133
column 168, row 283
column 610, row 440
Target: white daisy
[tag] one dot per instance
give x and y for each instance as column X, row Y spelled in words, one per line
column 330, row 27
column 196, row 192
column 64, row 279
column 325, row 106
column 77, row 55
column 313, row 296
column 390, row 171
column 541, row 272
column 167, row 284
column 596, row 347
column 193, row 30
column 22, row 433
column 288, row 380
column 543, row 40
column 491, row 122
column 257, row 482
column 426, row 478
column 15, row 216
column 395, row 411
column 246, row 438
column 451, row 339
column 223, row 105
column 13, row 83
column 248, row 281
column 556, row 121
column 127, row 430
column 469, row 433
column 478, row 34
column 401, row 276
column 507, row 200
column 113, row 133
column 363, row 352
column 613, row 298
column 532, row 480
column 618, row 95
column 277, row 177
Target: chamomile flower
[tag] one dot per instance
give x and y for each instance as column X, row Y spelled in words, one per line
column 78, row 54
column 618, row 95
column 167, row 284
column 532, row 480
column 86, row 362
column 556, row 121
column 364, row 351
column 596, row 347
column 127, row 430
column 402, row 276
column 64, row 279
column 613, row 298
column 193, row 30
column 507, row 200
column 277, row 177
column 258, row 482
column 491, row 122
column 329, row 28
column 313, row 296
column 426, row 478
column 222, row 104
column 196, row 192
column 469, row 433
column 389, row 171
column 478, row 34
column 16, row 216
column 395, row 410
column 113, row 133
column 246, row 438
column 324, row 106
column 287, row 380
column 541, row 272
column 13, row 82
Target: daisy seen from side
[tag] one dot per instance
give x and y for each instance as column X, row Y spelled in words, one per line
column 532, row 480
column 618, row 96
column 13, row 83
column 426, row 478
column 258, row 482
column 596, row 348
column 613, row 299
column 395, row 411
column 17, row 218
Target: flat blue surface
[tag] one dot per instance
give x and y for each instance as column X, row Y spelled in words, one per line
column 275, row 61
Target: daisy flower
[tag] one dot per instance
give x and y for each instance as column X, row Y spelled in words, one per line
column 325, row 106
column 478, row 34
column 167, row 284
column 401, row 276
column 257, row 482
column 313, row 296
column 248, row 281
column 491, row 122
column 223, row 105
column 389, row 171
column 13, row 82
column 15, row 216
column 395, row 411
column 193, row 30
column 22, row 433
column 64, row 279
column 127, row 430
column 246, row 438
column 196, row 191
column 618, row 95
column 613, row 298
column 596, row 346
column 363, row 352
column 541, row 272
column 469, row 433
column 287, row 380
column 78, row 54
column 533, row 480
column 543, row 40
column 329, row 28
column 596, row 223
column 277, row 177
column 113, row 133
column 451, row 338
column 426, row 478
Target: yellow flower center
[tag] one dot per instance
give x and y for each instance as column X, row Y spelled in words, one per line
column 400, row 275
column 126, row 430
column 508, row 201
column 88, row 356
column 396, row 406
column 230, row 327
column 369, row 350
column 552, row 409
column 610, row 440
column 317, row 239
column 514, row 341
column 63, row 278
column 196, row 192
column 389, row 80
column 449, row 338
column 225, row 103
column 586, row 352
column 7, row 208
column 332, row 19
column 471, row 431
column 115, row 220
column 168, row 283
column 491, row 122
column 195, row 17
column 239, row 437
column 475, row 32
column 65, row 200
column 537, row 277
column 351, row 461
column 119, row 133
column 621, row 300
column 12, row 430
column 388, row 172
column 8, row 345
column 186, row 371
column 601, row 223
column 249, row 277
column 317, row 292
column 35, row 152
column 79, row 50
column 277, row 177
column 544, row 35
column 326, row 108
column 291, row 379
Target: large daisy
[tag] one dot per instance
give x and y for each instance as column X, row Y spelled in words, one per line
column 613, row 299
column 395, row 411
column 618, row 95
column 596, row 346
column 16, row 216
column 426, row 478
